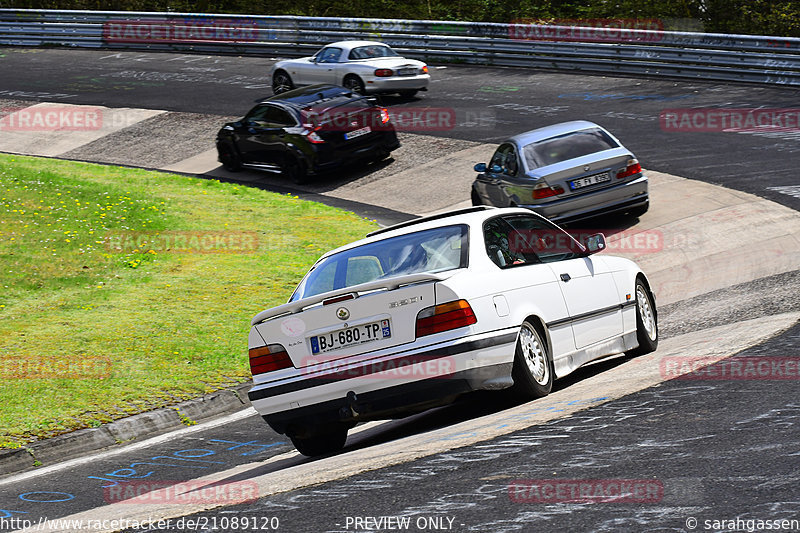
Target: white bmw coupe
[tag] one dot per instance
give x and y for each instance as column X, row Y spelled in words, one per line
column 364, row 67
column 417, row 314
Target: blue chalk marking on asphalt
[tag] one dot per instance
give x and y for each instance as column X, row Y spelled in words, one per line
column 206, row 452
column 24, row 497
column 251, row 443
column 6, row 513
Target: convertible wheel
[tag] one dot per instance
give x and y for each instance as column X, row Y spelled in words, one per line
column 228, row 157
column 328, row 442
column 281, row 82
column 646, row 322
column 353, row 83
column 533, row 371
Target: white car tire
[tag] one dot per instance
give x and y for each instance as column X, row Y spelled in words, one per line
column 533, row 369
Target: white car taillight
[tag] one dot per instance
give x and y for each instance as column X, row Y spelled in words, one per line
column 268, row 359
column 445, row 317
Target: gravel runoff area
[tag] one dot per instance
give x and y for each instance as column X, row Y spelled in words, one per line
column 155, row 142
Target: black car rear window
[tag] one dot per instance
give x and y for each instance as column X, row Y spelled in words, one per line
column 568, row 146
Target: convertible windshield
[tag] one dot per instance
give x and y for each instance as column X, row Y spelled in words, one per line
column 570, row 146
column 371, row 52
column 433, row 250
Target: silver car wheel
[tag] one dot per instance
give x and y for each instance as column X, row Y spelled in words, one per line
column 534, row 355
column 646, row 312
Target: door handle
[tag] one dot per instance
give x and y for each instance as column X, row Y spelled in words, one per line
column 565, row 277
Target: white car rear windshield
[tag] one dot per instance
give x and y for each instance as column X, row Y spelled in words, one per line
column 433, row 250
column 371, row 52
column 569, row 146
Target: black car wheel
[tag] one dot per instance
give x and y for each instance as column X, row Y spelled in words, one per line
column 229, row 157
column 476, row 199
column 281, row 82
column 353, row 83
column 292, row 170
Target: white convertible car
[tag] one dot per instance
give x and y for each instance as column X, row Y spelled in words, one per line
column 361, row 66
column 416, row 314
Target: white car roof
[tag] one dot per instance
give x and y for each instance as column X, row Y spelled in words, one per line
column 349, row 45
column 471, row 217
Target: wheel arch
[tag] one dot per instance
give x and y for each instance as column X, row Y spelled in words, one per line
column 640, row 276
column 541, row 327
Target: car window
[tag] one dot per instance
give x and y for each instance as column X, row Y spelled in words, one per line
column 520, row 240
column 506, row 157
column 329, row 54
column 540, row 237
column 270, row 116
column 496, row 235
column 371, row 51
column 433, row 250
column 568, row 146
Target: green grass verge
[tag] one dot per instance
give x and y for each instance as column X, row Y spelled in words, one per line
column 98, row 320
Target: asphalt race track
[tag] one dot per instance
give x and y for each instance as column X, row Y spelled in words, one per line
column 709, row 454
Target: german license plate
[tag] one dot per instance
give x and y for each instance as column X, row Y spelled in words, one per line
column 406, row 71
column 589, row 180
column 344, row 338
column 357, row 133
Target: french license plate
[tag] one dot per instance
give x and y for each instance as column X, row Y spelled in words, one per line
column 589, row 180
column 357, row 133
column 406, row 71
column 344, row 338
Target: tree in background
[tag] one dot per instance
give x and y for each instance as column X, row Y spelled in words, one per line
column 761, row 17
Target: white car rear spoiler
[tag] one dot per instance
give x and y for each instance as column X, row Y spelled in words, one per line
column 387, row 284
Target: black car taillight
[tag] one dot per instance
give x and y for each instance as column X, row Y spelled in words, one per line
column 268, row 359
column 314, row 137
column 633, row 168
column 445, row 317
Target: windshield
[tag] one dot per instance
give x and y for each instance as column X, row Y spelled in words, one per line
column 372, row 51
column 433, row 250
column 564, row 147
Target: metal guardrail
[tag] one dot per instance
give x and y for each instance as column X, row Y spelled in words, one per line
column 646, row 52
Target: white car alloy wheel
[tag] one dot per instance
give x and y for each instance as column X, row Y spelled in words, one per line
column 646, row 321
column 533, row 375
column 646, row 312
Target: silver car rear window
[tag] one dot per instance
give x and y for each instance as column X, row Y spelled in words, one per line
column 433, row 250
column 568, row 146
